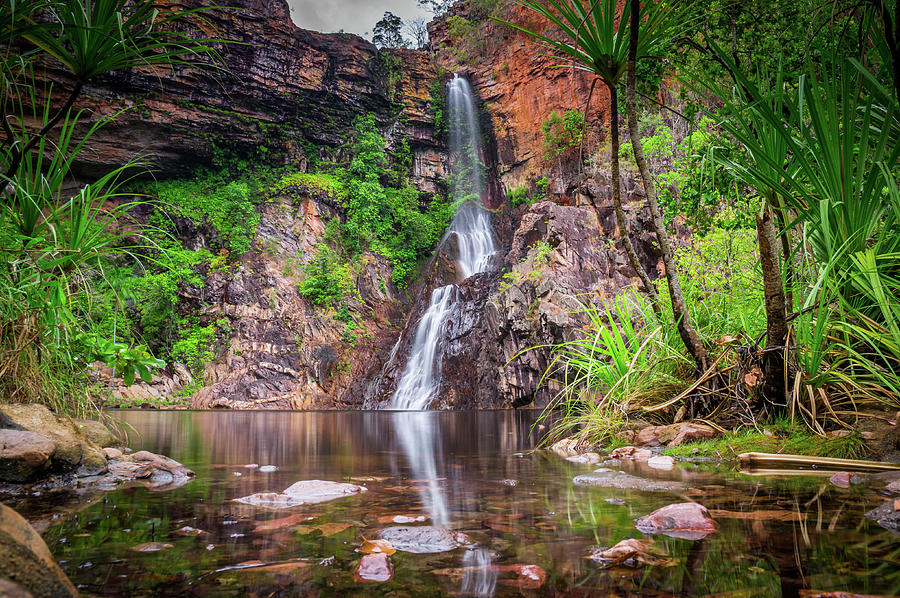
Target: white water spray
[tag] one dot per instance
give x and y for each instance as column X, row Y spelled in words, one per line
column 474, row 236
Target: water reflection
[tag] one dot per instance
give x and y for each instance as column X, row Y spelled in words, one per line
column 776, row 536
column 418, row 435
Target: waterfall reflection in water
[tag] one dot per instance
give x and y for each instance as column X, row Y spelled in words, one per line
column 418, row 434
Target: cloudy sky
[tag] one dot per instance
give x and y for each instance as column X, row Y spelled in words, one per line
column 354, row 16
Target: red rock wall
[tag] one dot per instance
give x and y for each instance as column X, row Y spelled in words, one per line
column 520, row 86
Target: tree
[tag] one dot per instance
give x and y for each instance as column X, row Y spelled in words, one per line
column 417, row 29
column 387, row 32
column 679, row 307
column 438, row 7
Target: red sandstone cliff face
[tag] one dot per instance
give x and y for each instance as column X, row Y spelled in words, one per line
column 520, row 86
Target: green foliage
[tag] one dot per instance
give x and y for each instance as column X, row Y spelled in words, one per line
column 518, row 196
column 127, row 362
column 315, row 183
column 226, row 206
column 562, row 133
column 542, row 253
column 784, row 436
column 437, row 104
column 385, row 220
column 195, row 348
column 53, row 239
column 328, row 278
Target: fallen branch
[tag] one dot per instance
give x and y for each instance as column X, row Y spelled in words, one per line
column 767, row 460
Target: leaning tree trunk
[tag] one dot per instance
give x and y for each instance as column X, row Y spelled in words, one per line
column 776, row 317
column 686, row 330
column 648, row 285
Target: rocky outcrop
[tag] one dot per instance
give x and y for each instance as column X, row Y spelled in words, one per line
column 293, row 91
column 26, row 562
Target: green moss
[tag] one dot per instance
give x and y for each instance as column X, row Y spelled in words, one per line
column 322, row 183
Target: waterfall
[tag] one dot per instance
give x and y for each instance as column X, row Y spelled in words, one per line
column 474, row 236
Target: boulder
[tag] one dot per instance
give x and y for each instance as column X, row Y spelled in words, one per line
column 23, row 455
column 97, row 432
column 71, row 448
column 887, row 515
column 26, row 561
column 689, row 521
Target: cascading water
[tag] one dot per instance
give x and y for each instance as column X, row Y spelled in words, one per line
column 471, row 229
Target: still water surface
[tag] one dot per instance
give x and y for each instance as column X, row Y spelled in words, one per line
column 471, row 472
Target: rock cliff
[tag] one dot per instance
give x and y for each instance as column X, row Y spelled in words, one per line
column 295, row 93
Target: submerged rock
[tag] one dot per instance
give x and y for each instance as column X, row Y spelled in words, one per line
column 610, row 478
column 585, row 458
column 632, row 552
column 26, row 561
column 151, row 547
column 630, row 453
column 887, row 515
column 424, row 539
column 375, row 567
column 661, row 462
column 306, row 492
column 689, row 521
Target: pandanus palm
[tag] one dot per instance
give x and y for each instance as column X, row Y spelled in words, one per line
column 598, row 39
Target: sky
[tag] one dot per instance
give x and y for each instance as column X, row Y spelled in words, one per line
column 353, row 16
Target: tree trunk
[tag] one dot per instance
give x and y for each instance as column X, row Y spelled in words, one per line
column 648, row 285
column 776, row 318
column 686, row 330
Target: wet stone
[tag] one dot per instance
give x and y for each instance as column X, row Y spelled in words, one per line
column 307, row 492
column 585, row 458
column 688, row 521
column 424, row 539
column 611, row 478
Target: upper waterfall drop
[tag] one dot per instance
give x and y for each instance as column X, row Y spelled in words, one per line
column 471, row 229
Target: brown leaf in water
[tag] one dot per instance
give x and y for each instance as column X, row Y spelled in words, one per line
column 527, row 577
column 283, row 522
column 376, row 546
column 327, row 529
column 762, row 515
